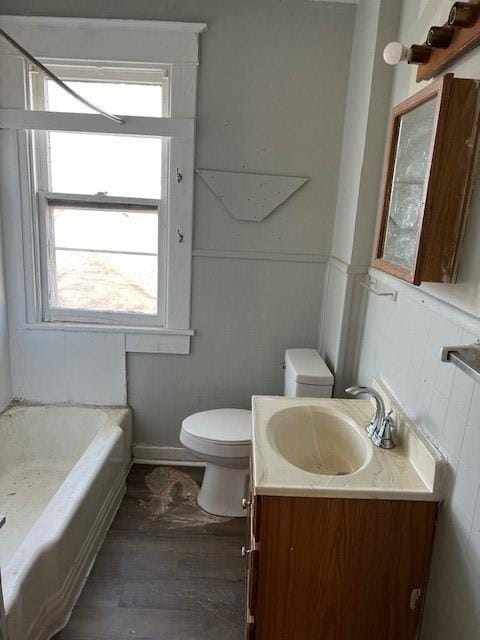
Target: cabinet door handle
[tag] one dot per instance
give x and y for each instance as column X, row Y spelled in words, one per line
column 415, row 596
column 245, row 552
column 246, row 503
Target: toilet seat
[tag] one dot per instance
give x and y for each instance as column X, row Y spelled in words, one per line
column 218, row 432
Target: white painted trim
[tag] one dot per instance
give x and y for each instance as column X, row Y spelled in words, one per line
column 153, row 454
column 113, row 73
column 259, row 255
column 109, row 318
column 169, row 463
column 348, row 268
column 354, row 2
column 93, row 123
column 157, row 343
column 109, row 252
column 109, row 41
column 133, row 339
column 180, row 189
column 144, row 205
column 102, row 328
column 106, row 23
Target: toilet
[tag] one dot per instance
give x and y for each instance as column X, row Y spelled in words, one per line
column 221, row 438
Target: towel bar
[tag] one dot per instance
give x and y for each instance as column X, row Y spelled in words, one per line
column 465, row 357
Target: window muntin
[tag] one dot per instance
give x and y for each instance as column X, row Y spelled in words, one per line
column 104, row 257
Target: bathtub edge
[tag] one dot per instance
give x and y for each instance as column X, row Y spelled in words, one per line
column 57, row 610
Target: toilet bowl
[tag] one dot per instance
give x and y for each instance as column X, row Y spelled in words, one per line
column 221, row 438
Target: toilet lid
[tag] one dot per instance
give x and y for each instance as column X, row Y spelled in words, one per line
column 232, row 426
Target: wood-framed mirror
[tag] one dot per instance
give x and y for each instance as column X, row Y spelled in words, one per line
column 426, row 181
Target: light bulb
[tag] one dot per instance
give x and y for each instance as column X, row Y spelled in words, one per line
column 395, row 52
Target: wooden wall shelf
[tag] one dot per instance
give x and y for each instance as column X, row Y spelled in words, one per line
column 463, row 40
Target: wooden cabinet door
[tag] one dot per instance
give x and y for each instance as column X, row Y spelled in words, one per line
column 335, row 569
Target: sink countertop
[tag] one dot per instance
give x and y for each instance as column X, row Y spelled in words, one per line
column 413, row 470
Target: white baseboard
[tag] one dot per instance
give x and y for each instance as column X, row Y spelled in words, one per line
column 169, row 463
column 152, row 454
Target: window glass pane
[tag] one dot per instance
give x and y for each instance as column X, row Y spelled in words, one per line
column 406, row 197
column 88, row 164
column 115, row 97
column 105, row 282
column 84, row 275
column 106, row 230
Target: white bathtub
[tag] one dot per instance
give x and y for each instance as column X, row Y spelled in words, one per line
column 62, row 477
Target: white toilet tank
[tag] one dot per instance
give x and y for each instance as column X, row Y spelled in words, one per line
column 306, row 374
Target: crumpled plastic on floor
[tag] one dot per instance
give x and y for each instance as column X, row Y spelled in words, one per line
column 174, row 499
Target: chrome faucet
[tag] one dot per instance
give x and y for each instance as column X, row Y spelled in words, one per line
column 380, row 428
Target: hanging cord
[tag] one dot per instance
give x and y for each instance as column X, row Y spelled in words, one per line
column 57, row 80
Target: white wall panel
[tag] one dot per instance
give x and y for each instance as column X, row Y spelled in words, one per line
column 401, row 345
column 70, row 366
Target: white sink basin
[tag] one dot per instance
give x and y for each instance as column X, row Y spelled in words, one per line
column 319, row 447
column 318, row 440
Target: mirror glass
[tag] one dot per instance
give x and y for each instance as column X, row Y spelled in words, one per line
column 408, row 182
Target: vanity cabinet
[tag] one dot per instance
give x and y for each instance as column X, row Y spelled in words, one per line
column 336, row 569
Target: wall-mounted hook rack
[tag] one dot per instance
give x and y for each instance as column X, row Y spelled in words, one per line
column 465, row 357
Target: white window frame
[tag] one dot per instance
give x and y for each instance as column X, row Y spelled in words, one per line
column 44, row 197
column 149, row 46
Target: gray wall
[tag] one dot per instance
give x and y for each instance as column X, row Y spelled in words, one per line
column 272, row 88
column 401, row 345
column 5, row 378
column 246, row 312
column 366, row 119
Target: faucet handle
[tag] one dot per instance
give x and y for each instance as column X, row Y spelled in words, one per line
column 383, row 438
column 357, row 390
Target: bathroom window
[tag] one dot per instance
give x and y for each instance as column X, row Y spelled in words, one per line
column 102, row 201
column 100, row 210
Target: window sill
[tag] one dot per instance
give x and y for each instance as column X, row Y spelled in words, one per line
column 136, row 339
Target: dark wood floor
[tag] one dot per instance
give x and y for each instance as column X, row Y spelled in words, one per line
column 167, row 570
